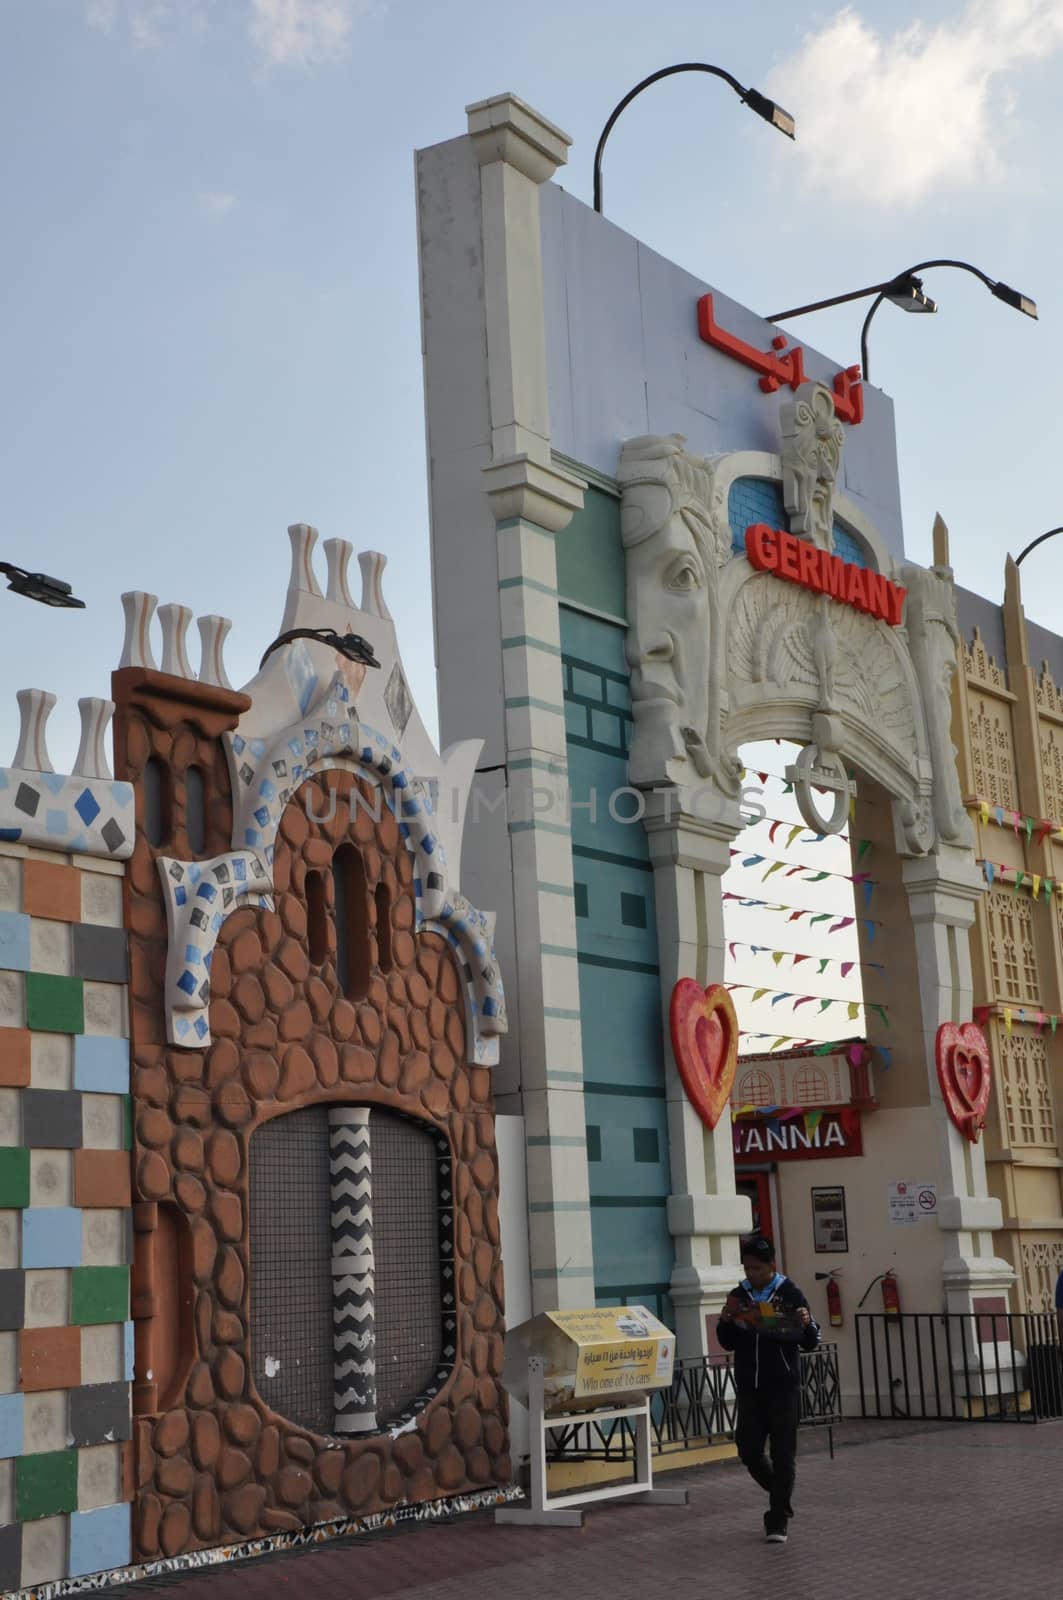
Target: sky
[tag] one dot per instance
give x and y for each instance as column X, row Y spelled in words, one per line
column 210, row 277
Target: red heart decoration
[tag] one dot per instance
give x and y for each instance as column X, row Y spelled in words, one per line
column 965, row 1075
column 704, row 1031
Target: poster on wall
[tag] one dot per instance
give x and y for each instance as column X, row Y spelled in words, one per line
column 830, row 1230
column 910, row 1202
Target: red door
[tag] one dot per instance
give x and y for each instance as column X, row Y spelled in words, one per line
column 756, row 1187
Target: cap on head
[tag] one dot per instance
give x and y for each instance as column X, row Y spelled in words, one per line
column 756, row 1248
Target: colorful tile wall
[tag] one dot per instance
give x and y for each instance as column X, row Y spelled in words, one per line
column 66, row 1338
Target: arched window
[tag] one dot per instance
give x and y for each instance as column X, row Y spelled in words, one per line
column 383, row 927
column 316, row 918
column 196, row 810
column 810, row 1086
column 755, row 1088
column 155, row 784
column 351, row 911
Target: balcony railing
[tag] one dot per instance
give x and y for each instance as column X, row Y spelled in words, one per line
column 956, row 1367
column 699, row 1409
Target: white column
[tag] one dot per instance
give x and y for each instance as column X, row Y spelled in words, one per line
column 705, row 1215
column 943, row 891
column 532, row 501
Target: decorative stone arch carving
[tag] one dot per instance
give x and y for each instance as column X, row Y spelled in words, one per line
column 789, row 660
column 779, row 661
column 737, row 464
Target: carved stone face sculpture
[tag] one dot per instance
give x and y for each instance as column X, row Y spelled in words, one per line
column 671, row 575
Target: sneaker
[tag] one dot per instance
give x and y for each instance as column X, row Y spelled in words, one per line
column 774, row 1529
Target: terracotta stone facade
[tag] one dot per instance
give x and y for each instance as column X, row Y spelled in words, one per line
column 214, row 1462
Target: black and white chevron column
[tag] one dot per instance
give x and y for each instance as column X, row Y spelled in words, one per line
column 353, row 1329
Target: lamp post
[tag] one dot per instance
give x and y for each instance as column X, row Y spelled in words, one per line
column 751, row 97
column 1041, row 537
column 38, row 586
column 906, row 290
column 1002, row 291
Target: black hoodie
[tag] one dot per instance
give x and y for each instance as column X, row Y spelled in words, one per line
column 769, row 1359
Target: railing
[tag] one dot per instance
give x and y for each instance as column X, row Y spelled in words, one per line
column 960, row 1367
column 699, row 1409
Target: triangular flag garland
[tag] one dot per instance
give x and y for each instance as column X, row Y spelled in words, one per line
column 1016, row 878
column 825, row 1002
column 773, row 825
column 796, row 869
column 1035, row 829
column 1028, row 1016
column 797, row 912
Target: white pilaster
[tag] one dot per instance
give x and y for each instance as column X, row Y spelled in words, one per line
column 531, row 501
column 705, row 1215
column 943, row 890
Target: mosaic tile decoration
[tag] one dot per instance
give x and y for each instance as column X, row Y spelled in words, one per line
column 322, row 1533
column 81, row 816
column 266, row 774
column 65, row 1331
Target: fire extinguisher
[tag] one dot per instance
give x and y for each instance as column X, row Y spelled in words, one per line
column 834, row 1296
column 891, row 1298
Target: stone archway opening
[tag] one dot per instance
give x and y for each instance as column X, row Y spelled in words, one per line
column 793, row 902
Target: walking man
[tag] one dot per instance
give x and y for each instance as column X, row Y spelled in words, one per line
column 766, row 1322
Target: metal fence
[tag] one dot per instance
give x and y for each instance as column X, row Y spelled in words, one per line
column 699, row 1409
column 960, row 1367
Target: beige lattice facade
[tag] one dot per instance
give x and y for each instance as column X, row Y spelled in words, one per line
column 1008, row 728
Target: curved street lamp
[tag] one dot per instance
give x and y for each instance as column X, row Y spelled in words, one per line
column 751, row 97
column 906, row 291
column 1035, row 542
column 1002, row 291
column 38, row 586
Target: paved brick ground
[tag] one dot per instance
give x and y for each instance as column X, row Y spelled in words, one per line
column 971, row 1511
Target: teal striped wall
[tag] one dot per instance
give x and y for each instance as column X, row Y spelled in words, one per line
column 620, row 1003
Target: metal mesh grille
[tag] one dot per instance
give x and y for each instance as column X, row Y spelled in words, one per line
column 406, row 1248
column 291, row 1281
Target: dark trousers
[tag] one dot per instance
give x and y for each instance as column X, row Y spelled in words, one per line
column 770, row 1418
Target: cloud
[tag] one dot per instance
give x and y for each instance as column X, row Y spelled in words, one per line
column 216, row 204
column 303, row 33
column 101, row 13
column 150, row 22
column 889, row 117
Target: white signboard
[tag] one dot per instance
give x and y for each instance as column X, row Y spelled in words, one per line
column 910, row 1202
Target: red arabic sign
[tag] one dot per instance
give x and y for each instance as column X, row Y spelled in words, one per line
column 787, row 556
column 835, row 1133
column 779, row 366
